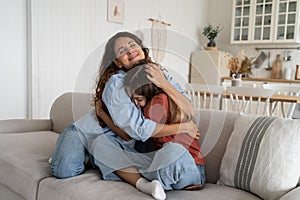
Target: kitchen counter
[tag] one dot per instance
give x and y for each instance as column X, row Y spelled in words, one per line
column 267, row 80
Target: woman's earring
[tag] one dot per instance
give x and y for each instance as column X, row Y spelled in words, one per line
column 118, row 63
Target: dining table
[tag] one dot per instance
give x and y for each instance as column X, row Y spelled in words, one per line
column 275, row 98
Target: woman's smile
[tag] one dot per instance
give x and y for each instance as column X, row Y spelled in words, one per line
column 128, row 52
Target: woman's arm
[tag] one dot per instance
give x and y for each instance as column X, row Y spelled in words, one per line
column 156, row 76
column 108, row 121
column 157, row 109
column 127, row 116
column 160, row 130
column 172, row 129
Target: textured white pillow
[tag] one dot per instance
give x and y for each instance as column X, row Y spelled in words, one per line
column 262, row 156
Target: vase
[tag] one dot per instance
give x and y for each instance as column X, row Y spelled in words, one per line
column 242, row 75
column 236, row 80
column 212, row 43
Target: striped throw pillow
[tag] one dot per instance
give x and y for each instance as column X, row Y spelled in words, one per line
column 262, row 156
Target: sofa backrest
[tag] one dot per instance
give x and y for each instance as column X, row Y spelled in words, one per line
column 69, row 107
column 215, row 129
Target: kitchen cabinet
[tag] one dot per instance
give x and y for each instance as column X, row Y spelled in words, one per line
column 207, row 67
column 241, row 21
column 287, row 24
column 265, row 21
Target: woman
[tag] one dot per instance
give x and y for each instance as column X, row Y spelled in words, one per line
column 114, row 155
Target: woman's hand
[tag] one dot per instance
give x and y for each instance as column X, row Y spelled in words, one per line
column 190, row 128
column 156, row 75
column 195, row 135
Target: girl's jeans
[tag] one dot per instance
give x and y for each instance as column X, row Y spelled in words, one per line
column 173, row 166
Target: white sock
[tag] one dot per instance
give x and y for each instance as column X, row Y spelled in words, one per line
column 50, row 160
column 153, row 188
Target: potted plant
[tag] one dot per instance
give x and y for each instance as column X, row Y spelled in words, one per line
column 211, row 32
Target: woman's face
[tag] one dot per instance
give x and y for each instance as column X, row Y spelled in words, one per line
column 139, row 100
column 128, row 52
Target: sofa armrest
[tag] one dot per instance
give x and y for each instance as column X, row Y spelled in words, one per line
column 292, row 195
column 25, row 125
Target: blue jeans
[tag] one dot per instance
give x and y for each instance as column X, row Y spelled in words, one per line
column 69, row 156
column 172, row 165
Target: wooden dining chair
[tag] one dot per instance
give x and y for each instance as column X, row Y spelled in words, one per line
column 205, row 96
column 283, row 109
column 250, row 100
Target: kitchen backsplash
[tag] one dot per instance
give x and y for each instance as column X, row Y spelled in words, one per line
column 290, row 58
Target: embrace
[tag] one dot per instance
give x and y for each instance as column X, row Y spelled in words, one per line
column 141, row 130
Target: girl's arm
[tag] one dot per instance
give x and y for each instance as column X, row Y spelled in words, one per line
column 156, row 76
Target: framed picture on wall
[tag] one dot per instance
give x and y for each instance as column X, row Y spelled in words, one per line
column 115, row 11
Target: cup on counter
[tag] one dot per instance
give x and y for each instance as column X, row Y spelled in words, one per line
column 288, row 74
column 236, row 80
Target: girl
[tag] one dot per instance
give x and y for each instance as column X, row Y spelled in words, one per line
column 159, row 107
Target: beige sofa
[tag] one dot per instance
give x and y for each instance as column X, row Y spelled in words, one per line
column 26, row 145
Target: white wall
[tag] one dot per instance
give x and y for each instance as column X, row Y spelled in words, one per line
column 13, row 67
column 67, row 32
column 67, row 35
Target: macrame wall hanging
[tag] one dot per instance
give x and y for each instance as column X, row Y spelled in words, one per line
column 158, row 38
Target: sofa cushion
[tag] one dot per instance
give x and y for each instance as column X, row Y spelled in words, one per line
column 6, row 194
column 213, row 192
column 292, row 195
column 24, row 160
column 24, row 125
column 214, row 137
column 75, row 187
column 262, row 156
column 87, row 186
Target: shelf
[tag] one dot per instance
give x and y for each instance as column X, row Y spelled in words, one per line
column 264, row 80
column 275, row 48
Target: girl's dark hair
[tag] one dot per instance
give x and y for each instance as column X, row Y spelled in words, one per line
column 108, row 68
column 136, row 81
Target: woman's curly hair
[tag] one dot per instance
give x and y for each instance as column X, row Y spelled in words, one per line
column 108, row 68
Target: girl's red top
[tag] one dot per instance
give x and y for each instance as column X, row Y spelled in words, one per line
column 158, row 110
